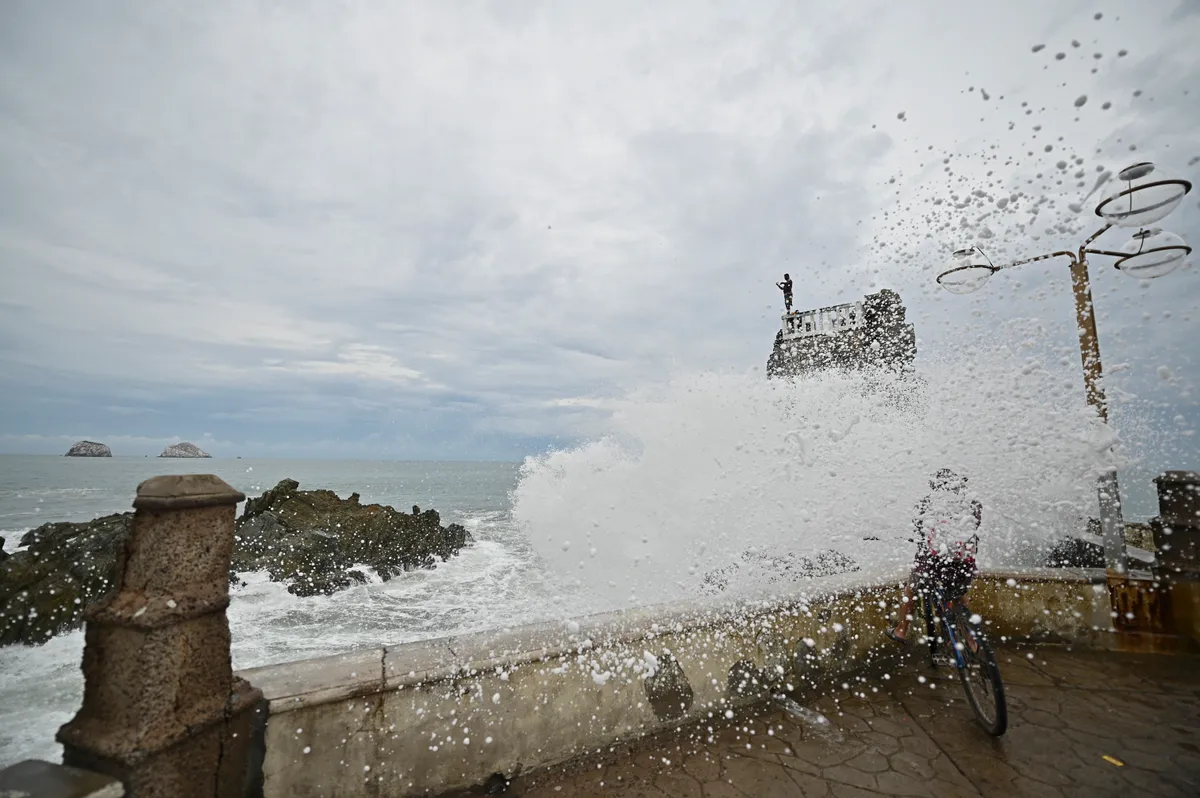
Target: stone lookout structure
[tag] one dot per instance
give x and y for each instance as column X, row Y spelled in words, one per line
column 869, row 332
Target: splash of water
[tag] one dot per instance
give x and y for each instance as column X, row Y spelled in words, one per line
column 706, row 466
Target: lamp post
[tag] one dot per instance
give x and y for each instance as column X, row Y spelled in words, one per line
column 1151, row 252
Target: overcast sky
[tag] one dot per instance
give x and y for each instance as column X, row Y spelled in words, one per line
column 455, row 230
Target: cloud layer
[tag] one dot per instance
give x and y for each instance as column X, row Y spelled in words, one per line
column 458, row 230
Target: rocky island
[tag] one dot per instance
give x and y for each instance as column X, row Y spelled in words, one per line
column 184, row 449
column 89, row 449
column 309, row 539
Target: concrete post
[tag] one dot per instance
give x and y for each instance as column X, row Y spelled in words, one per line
column 161, row 709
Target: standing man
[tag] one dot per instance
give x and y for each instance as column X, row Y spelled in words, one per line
column 786, row 287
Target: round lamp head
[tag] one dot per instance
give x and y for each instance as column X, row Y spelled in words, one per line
column 969, row 270
column 1152, row 253
column 1146, row 197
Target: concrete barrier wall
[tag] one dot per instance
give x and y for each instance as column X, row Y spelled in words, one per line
column 442, row 714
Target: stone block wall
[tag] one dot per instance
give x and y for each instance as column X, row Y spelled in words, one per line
column 444, row 714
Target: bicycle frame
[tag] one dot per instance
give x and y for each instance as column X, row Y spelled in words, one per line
column 938, row 603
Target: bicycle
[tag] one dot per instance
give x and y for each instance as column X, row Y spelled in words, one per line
column 965, row 644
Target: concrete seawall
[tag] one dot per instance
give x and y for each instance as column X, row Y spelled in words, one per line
column 436, row 715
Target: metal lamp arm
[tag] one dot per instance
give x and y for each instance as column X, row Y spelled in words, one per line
column 1094, row 236
column 1105, row 252
column 1047, row 256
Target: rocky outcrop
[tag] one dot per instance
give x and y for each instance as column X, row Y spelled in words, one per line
column 61, row 569
column 312, row 540
column 89, row 449
column 759, row 567
column 184, row 449
column 1085, row 549
column 1075, row 553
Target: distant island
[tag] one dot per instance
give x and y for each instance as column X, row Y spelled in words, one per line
column 89, row 449
column 184, row 449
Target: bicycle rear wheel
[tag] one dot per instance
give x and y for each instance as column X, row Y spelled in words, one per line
column 981, row 677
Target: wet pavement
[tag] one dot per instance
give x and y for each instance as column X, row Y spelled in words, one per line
column 1080, row 723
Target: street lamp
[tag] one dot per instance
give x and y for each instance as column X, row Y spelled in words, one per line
column 1149, row 253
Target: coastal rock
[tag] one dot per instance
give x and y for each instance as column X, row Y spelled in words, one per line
column 62, row 568
column 89, row 449
column 1086, row 550
column 313, row 540
column 1075, row 553
column 184, row 449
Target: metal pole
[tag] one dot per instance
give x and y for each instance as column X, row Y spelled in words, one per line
column 1112, row 525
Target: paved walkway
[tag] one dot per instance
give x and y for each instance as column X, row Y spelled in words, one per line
column 1081, row 723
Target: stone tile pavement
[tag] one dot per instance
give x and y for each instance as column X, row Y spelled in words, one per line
column 912, row 733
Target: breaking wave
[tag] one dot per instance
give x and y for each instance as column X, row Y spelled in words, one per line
column 709, row 469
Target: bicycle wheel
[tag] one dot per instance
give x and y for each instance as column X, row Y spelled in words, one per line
column 981, row 677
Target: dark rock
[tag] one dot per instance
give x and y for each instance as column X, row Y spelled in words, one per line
column 61, row 569
column 312, row 540
column 273, row 496
column 3, row 553
column 89, row 449
column 184, row 449
column 1075, row 553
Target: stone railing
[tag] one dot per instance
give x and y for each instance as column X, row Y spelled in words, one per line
column 449, row 713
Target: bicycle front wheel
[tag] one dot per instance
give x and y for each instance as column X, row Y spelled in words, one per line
column 981, row 677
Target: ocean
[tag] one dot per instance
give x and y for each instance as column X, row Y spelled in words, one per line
column 496, row 582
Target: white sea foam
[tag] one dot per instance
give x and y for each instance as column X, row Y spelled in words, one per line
column 12, row 538
column 706, row 466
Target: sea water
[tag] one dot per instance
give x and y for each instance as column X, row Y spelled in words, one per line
column 694, row 473
column 494, row 582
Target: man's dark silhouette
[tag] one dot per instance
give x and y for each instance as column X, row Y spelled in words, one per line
column 786, row 287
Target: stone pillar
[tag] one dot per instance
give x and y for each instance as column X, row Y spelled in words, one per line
column 1176, row 533
column 1177, row 528
column 161, row 709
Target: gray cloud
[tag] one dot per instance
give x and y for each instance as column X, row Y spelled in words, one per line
column 404, row 226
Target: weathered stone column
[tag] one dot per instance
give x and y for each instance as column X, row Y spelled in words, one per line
column 1177, row 547
column 161, row 709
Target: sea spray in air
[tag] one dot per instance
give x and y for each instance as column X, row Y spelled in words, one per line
column 705, row 467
